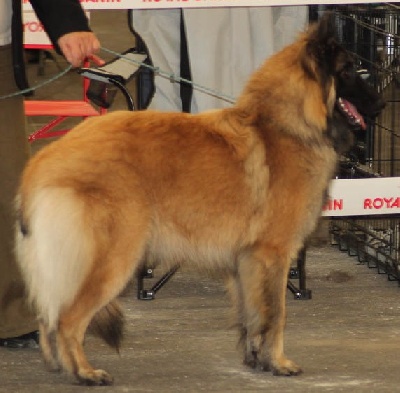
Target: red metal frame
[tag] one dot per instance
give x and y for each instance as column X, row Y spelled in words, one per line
column 60, row 110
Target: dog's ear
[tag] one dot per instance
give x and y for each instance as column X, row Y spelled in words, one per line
column 321, row 45
column 325, row 31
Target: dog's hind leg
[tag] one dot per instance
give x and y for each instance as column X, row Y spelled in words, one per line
column 263, row 279
column 48, row 346
column 117, row 254
column 106, row 280
column 77, row 253
column 70, row 336
column 98, row 291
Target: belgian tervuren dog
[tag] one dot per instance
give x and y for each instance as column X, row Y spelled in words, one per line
column 214, row 189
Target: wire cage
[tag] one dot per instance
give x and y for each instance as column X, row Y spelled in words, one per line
column 372, row 33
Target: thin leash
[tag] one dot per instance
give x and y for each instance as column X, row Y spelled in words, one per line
column 171, row 77
column 38, row 86
column 174, row 78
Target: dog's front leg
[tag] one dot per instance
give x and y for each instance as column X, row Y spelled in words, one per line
column 263, row 281
column 235, row 290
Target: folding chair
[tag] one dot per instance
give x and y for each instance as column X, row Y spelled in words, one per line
column 60, row 110
column 106, row 80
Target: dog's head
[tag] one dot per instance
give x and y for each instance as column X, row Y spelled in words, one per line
column 348, row 96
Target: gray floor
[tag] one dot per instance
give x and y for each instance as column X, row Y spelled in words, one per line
column 347, row 338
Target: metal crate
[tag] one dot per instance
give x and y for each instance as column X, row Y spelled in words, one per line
column 372, row 33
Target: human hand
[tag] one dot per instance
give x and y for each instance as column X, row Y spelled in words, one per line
column 77, row 46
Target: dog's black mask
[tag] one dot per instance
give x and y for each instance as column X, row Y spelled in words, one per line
column 355, row 100
column 355, row 97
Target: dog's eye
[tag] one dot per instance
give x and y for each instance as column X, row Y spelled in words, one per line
column 346, row 74
column 348, row 71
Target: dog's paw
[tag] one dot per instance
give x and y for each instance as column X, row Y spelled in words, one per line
column 286, row 368
column 250, row 359
column 95, row 378
column 51, row 362
column 257, row 364
column 52, row 366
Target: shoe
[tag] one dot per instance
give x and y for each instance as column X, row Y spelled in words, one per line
column 29, row 340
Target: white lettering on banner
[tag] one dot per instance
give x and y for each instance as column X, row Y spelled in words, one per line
column 357, row 197
column 143, row 4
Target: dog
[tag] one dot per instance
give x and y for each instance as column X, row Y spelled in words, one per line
column 215, row 190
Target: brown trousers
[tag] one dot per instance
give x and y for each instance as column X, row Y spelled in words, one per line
column 15, row 316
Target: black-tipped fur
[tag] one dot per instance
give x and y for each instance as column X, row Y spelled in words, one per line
column 23, row 226
column 108, row 324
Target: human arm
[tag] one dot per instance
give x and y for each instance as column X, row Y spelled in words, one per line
column 68, row 28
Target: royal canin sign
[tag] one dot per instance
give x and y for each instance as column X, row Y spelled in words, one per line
column 353, row 197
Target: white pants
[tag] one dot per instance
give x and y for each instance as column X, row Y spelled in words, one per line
column 225, row 46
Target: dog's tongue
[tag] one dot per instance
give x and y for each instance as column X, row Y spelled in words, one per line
column 352, row 114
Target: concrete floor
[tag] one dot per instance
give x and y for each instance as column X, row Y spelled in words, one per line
column 346, row 338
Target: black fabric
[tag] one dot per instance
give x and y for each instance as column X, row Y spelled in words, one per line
column 60, row 17
column 145, row 80
column 17, row 48
column 186, row 89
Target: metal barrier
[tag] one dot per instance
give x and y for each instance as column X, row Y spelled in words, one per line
column 374, row 241
column 372, row 33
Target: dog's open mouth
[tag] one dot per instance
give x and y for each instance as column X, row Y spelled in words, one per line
column 350, row 112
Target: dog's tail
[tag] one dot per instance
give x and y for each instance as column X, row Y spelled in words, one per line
column 108, row 324
column 54, row 248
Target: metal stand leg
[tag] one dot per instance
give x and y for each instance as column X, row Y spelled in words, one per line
column 299, row 272
column 149, row 294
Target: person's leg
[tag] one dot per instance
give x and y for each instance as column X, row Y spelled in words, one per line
column 15, row 317
column 161, row 33
column 235, row 43
column 225, row 53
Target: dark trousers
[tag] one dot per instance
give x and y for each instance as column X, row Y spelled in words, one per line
column 15, row 316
